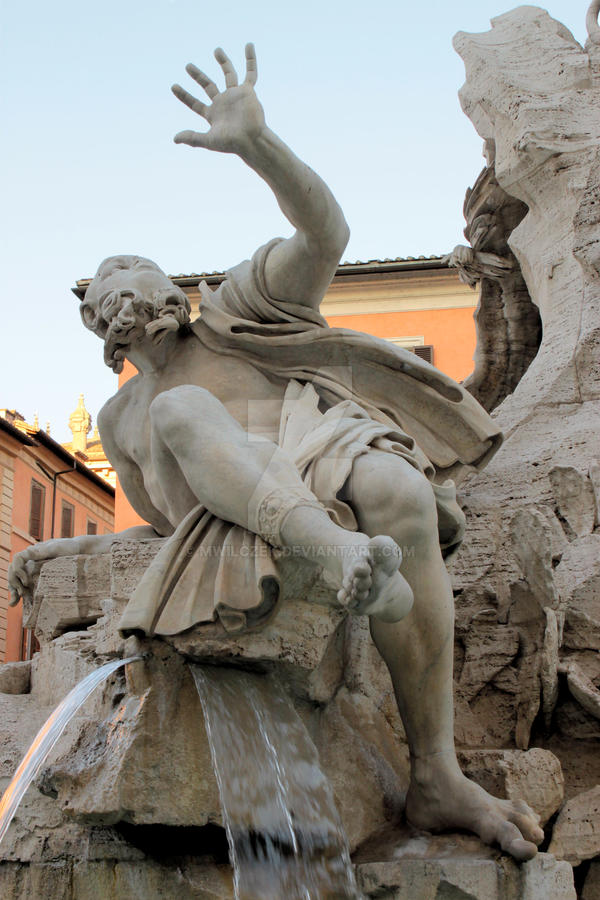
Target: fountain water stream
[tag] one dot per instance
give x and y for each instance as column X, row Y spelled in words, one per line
column 47, row 737
column 284, row 832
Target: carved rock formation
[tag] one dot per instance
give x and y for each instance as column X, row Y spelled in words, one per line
column 507, row 322
column 132, row 782
column 532, row 548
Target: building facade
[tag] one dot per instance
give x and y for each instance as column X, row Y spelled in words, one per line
column 45, row 492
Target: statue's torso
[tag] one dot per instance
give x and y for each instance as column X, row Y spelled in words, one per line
column 251, row 397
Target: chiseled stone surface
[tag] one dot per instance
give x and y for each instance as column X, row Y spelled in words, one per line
column 574, row 498
column 15, row 677
column 68, row 593
column 576, row 835
column 467, row 878
column 532, row 548
column 114, row 880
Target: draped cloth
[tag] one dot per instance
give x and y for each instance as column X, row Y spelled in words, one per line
column 347, row 392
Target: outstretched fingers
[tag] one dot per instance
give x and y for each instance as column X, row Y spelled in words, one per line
column 251, row 68
column 231, row 79
column 189, row 100
column 203, row 80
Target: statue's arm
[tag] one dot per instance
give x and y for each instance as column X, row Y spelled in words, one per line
column 26, row 564
column 298, row 269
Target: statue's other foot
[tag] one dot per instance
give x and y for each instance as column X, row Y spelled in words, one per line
column 372, row 584
column 441, row 798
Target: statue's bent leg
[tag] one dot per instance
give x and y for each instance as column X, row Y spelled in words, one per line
column 251, row 481
column 419, row 655
column 227, row 470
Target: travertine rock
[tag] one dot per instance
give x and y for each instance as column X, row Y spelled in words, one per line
column 15, row 677
column 581, row 632
column 121, row 768
column 466, row 878
column 358, row 747
column 582, row 688
column 574, row 498
column 428, row 878
column 67, row 594
column 531, row 537
column 507, row 322
column 594, row 475
column 577, row 577
column 533, row 94
column 489, row 648
column 529, row 618
column 576, row 834
column 115, row 880
column 591, row 887
column 549, row 667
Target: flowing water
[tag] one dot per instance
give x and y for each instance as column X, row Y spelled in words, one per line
column 47, row 737
column 285, row 835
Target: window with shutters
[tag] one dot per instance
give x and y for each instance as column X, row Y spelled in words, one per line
column 416, row 345
column 36, row 510
column 92, row 527
column 425, row 352
column 67, row 519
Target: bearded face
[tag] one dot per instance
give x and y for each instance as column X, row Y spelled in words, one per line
column 131, row 300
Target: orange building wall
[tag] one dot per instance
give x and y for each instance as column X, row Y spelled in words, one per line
column 450, row 331
column 24, row 470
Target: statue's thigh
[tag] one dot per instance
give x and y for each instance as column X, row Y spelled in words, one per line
column 188, row 411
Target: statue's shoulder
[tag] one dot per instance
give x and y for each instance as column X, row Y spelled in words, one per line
column 117, row 405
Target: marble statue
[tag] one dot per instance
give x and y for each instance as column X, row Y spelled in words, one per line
column 258, row 432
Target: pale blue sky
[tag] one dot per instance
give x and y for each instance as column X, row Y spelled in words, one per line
column 366, row 93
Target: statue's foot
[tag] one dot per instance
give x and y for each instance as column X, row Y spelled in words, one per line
column 372, row 584
column 441, row 798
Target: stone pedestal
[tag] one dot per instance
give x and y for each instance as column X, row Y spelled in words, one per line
column 128, row 805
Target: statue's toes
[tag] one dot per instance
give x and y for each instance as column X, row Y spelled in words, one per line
column 513, row 842
column 528, row 827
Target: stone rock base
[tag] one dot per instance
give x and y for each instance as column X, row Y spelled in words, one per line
column 114, row 880
column 405, row 864
column 450, row 876
column 544, row 878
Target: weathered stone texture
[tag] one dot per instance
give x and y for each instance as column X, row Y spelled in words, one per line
column 533, row 547
column 576, row 835
column 15, row 677
column 466, row 878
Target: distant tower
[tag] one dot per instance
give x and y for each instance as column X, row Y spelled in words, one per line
column 80, row 423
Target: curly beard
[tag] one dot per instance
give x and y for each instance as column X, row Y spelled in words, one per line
column 167, row 310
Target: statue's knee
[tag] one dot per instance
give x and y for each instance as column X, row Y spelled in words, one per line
column 418, row 508
column 401, row 500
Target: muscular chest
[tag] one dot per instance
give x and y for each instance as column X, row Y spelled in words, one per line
column 250, row 397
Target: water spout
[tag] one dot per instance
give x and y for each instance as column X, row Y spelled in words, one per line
column 284, row 832
column 47, row 737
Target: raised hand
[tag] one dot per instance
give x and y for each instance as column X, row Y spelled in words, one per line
column 235, row 115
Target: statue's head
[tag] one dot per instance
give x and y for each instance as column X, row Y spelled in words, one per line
column 130, row 300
